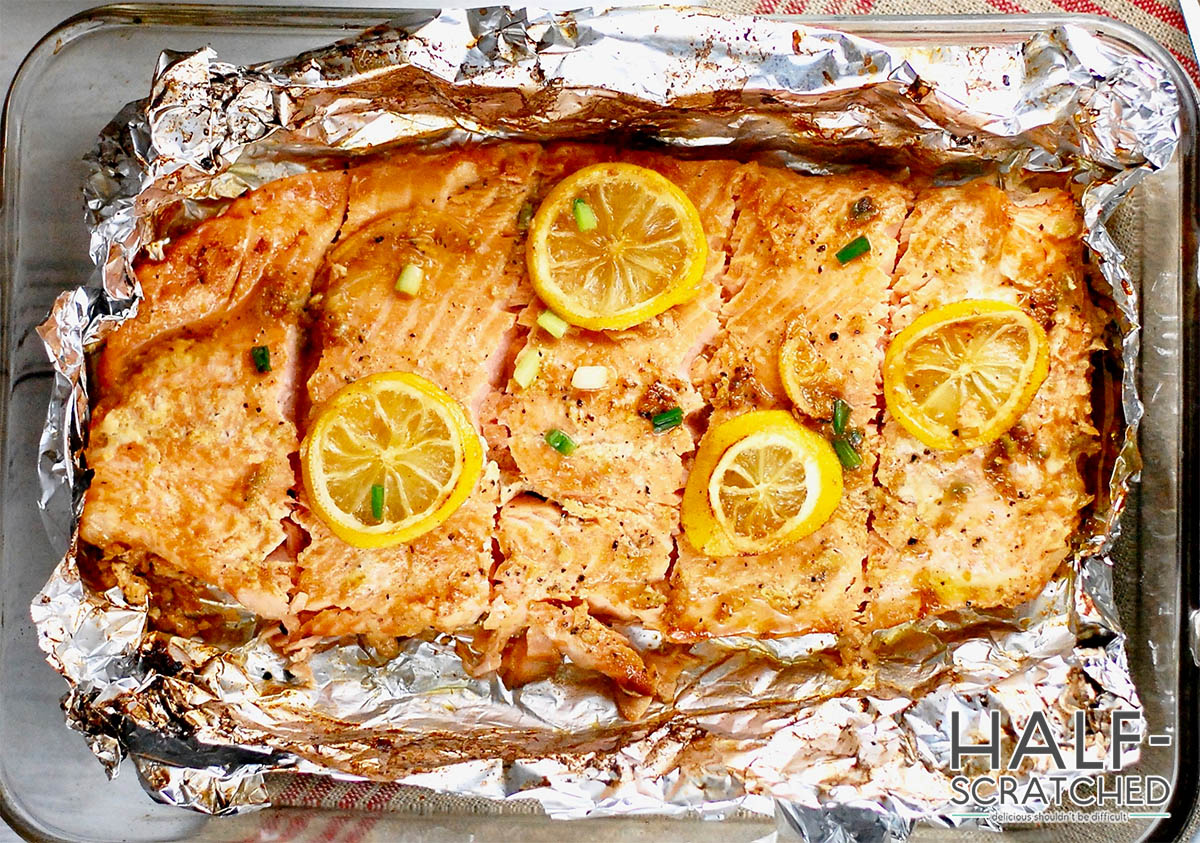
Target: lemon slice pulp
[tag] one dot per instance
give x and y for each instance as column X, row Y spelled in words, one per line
column 613, row 245
column 760, row 481
column 960, row 376
column 389, row 458
column 805, row 375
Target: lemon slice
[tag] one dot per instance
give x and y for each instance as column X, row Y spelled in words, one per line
column 961, row 375
column 760, row 481
column 388, row 458
column 615, row 244
column 804, row 373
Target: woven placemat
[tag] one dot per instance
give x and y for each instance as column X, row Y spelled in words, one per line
column 1161, row 19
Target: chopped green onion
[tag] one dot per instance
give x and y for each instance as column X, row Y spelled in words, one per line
column 552, row 322
column 261, row 355
column 410, row 279
column 585, row 217
column 667, row 420
column 855, row 437
column 377, row 502
column 590, row 377
column 841, row 415
column 846, row 453
column 525, row 216
column 560, row 442
column 526, row 368
column 856, row 247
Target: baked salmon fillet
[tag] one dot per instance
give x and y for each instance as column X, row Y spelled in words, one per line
column 455, row 215
column 255, row 320
column 988, row 527
column 191, row 443
column 783, row 273
column 598, row 530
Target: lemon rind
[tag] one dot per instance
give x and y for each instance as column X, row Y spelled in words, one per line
column 469, row 452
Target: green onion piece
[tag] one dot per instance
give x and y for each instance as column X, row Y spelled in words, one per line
column 261, row 355
column 525, row 216
column 846, row 453
column 377, row 502
column 526, row 369
column 410, row 279
column 841, row 415
column 585, row 217
column 553, row 323
column 667, row 420
column 560, row 442
column 856, row 247
column 855, row 437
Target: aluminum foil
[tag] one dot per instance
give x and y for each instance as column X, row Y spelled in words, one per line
column 765, row 726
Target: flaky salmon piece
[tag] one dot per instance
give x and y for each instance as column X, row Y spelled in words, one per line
column 784, row 270
column 190, row 443
column 456, row 215
column 783, row 274
column 813, row 585
column 438, row 581
column 618, row 464
column 988, row 527
column 604, row 539
column 614, row 564
column 278, row 232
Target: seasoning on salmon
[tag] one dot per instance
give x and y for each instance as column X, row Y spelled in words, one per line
column 604, row 536
column 455, row 216
column 988, row 527
column 783, row 273
column 190, row 442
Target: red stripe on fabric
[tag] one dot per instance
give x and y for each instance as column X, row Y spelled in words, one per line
column 359, row 830
column 288, row 795
column 315, row 798
column 863, row 6
column 280, row 826
column 1153, row 8
column 295, row 826
column 354, row 795
column 1163, row 12
column 333, row 830
column 1008, row 7
column 381, row 797
column 1189, row 63
column 1086, row 7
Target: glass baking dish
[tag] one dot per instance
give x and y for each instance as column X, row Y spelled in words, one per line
column 51, row 788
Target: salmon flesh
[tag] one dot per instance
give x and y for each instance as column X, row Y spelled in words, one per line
column 193, row 444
